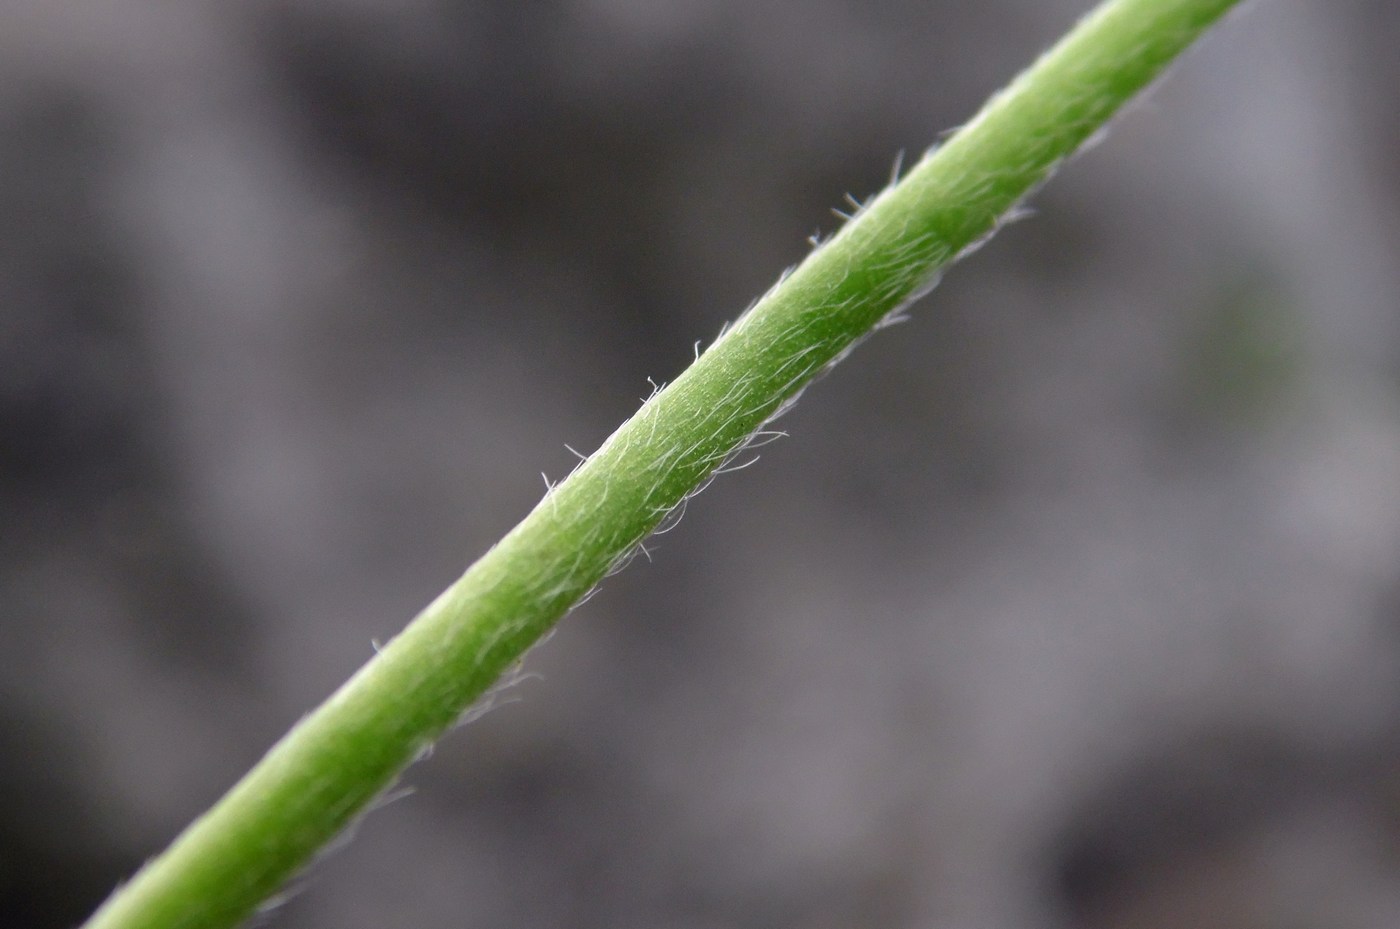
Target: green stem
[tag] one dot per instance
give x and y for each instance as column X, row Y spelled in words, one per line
column 333, row 764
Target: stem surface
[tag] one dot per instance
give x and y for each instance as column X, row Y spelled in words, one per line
column 332, row 765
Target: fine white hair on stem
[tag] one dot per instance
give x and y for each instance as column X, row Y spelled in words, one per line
column 498, row 694
column 897, row 168
column 731, row 468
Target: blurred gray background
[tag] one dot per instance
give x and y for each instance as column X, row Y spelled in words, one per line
column 1073, row 602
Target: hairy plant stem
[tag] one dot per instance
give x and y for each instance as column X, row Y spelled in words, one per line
column 334, row 763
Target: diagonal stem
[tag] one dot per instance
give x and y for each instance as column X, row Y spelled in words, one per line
column 333, row 764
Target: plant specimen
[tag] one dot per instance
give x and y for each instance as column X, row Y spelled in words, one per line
column 334, row 764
